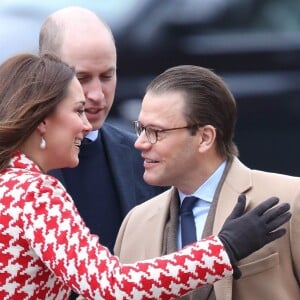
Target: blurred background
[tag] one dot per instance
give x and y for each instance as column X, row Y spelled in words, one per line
column 253, row 45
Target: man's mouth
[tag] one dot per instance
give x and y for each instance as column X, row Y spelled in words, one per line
column 150, row 160
column 93, row 110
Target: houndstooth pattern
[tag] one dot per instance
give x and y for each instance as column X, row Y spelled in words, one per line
column 46, row 249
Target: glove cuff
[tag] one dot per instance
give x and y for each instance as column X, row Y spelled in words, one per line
column 236, row 271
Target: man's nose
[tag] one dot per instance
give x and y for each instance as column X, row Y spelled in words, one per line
column 94, row 91
column 142, row 142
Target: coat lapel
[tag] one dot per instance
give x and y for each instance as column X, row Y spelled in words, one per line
column 117, row 151
column 238, row 180
column 156, row 222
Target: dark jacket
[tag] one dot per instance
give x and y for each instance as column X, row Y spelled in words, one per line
column 104, row 188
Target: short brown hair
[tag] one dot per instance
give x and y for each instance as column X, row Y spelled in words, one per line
column 208, row 101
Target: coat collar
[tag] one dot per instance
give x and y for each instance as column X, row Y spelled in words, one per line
column 20, row 161
column 238, row 180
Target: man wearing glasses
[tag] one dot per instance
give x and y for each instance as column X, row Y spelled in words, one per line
column 185, row 134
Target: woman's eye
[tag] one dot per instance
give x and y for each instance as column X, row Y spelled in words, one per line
column 80, row 111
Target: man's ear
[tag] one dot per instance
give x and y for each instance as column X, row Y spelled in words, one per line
column 208, row 136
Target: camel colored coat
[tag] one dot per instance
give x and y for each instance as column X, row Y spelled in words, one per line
column 272, row 273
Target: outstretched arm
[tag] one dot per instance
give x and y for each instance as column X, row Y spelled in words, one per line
column 60, row 238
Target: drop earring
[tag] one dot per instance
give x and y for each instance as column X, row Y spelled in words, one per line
column 43, row 143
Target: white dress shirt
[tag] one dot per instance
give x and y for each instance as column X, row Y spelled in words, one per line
column 205, row 193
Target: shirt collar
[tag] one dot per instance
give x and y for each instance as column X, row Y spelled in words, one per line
column 92, row 135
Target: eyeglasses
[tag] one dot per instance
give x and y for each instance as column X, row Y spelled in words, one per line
column 152, row 134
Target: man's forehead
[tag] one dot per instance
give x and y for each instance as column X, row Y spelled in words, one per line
column 165, row 106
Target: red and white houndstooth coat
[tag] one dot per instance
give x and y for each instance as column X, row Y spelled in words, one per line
column 46, row 249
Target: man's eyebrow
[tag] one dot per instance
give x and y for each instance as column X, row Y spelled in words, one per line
column 152, row 125
column 111, row 69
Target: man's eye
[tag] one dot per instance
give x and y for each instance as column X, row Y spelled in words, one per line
column 106, row 77
column 152, row 130
column 82, row 78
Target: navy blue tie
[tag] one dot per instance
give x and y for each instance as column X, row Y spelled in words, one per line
column 188, row 227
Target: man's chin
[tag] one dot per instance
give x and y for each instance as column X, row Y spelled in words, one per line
column 151, row 180
column 97, row 125
column 96, row 122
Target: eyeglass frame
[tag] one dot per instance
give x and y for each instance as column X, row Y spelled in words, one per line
column 138, row 124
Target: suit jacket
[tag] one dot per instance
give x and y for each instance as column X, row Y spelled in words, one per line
column 271, row 273
column 126, row 168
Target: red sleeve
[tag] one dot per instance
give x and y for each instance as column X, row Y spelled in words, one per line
column 59, row 236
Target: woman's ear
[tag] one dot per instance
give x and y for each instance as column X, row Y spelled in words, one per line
column 42, row 127
column 208, row 136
